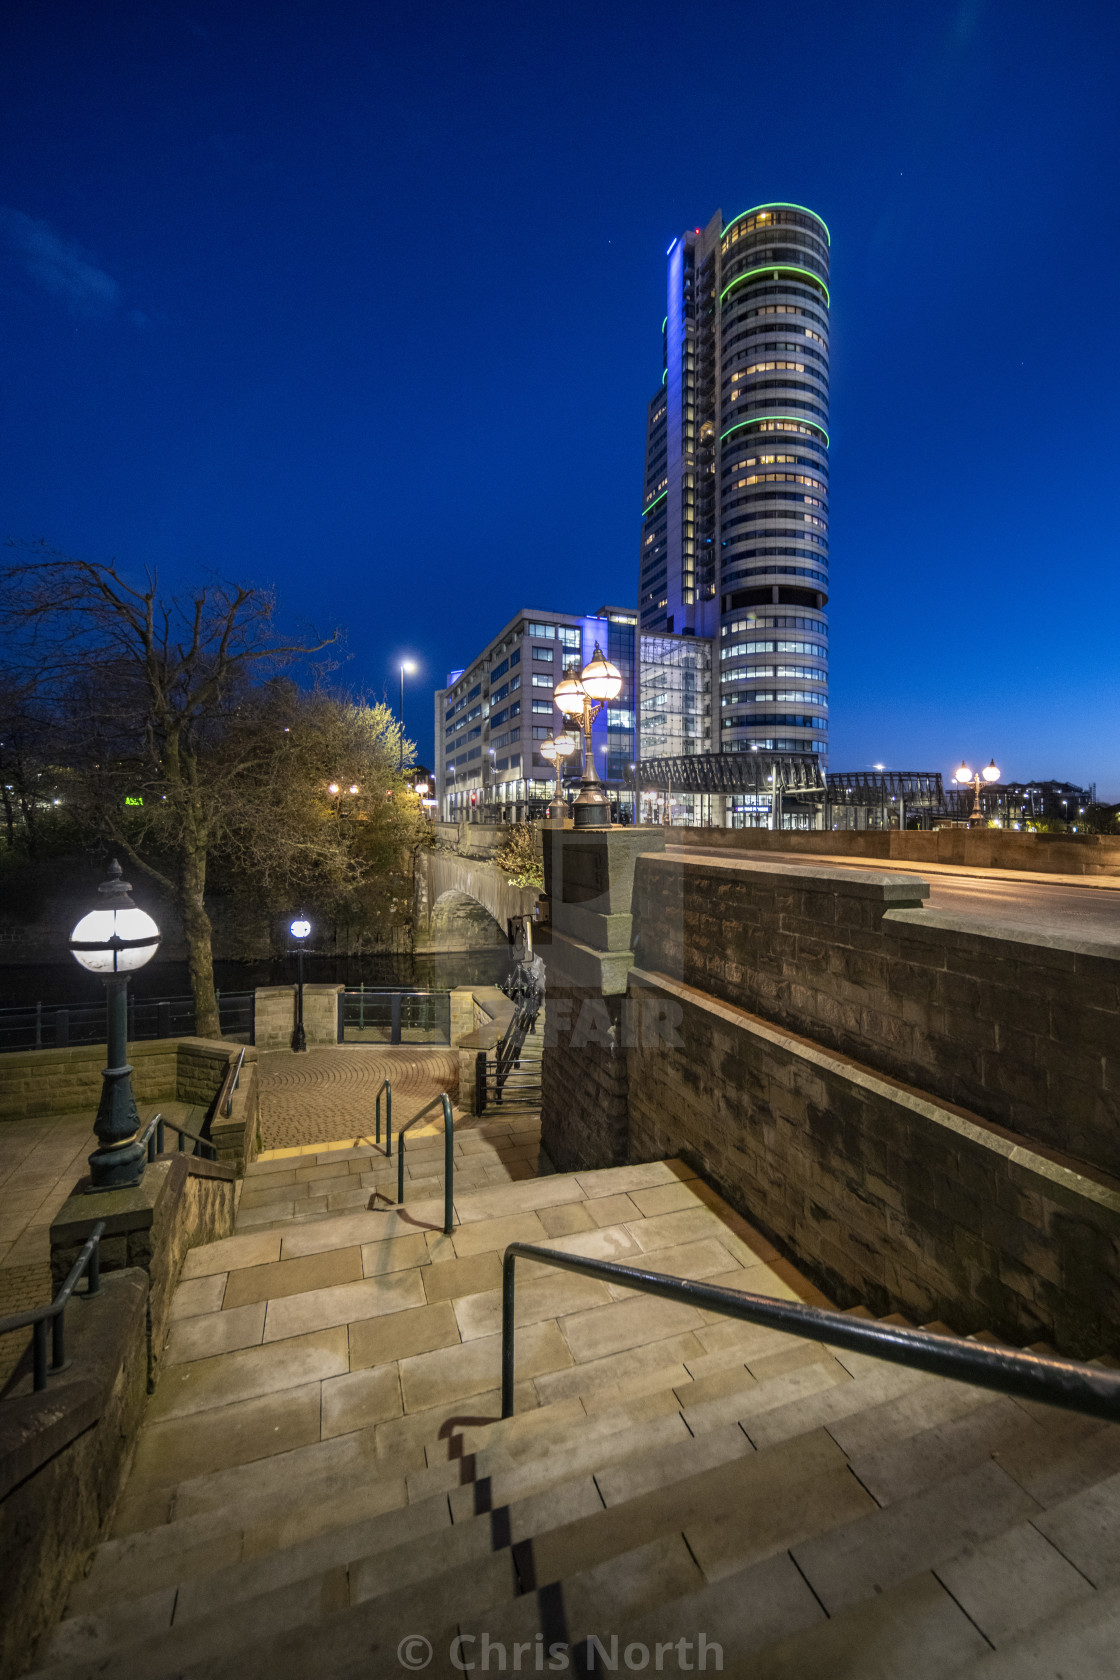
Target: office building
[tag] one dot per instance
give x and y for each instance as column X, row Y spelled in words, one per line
column 734, row 543
column 495, row 712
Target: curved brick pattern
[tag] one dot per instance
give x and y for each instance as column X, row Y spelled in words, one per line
column 326, row 1096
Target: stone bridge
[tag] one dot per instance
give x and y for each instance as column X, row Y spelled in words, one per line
column 464, row 903
column 921, row 1107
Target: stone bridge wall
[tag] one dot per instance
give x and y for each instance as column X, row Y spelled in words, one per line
column 439, row 872
column 921, row 1110
column 1021, row 1028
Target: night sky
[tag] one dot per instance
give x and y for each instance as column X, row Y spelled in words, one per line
column 364, row 301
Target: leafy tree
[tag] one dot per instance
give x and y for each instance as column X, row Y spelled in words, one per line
column 166, row 712
column 518, row 858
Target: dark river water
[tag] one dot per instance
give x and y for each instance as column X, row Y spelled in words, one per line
column 31, row 983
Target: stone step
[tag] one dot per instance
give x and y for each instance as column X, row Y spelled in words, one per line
column 521, row 1501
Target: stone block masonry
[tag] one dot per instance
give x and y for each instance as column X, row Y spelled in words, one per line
column 1019, row 1027
column 888, row 1197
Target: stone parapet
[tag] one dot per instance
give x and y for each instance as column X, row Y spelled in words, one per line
column 1017, row 1026
column 275, row 1016
column 971, row 848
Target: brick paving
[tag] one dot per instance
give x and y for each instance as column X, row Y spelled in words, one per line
column 327, row 1095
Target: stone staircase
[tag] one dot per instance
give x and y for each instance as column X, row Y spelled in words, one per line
column 323, row 1486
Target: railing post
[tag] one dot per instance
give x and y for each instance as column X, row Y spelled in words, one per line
column 400, row 1169
column 160, row 1134
column 480, row 1083
column 377, row 1117
column 151, row 1145
column 58, row 1340
column 508, row 1317
column 39, row 1354
column 448, row 1166
column 389, row 1121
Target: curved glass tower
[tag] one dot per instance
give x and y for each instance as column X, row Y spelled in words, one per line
column 734, row 544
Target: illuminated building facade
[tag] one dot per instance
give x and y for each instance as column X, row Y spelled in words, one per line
column 734, row 544
column 494, row 714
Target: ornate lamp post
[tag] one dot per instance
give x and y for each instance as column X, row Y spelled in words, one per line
column 300, row 929
column 581, row 698
column 556, row 751
column 113, row 941
column 964, row 775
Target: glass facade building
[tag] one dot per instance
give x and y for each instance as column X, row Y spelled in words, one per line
column 734, row 529
column 494, row 714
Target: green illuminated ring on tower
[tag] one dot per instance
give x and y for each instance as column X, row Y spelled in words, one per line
column 654, row 503
column 776, row 269
column 780, row 206
column 664, row 323
column 790, row 419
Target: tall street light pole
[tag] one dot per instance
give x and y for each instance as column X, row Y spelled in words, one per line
column 408, row 665
column 113, row 941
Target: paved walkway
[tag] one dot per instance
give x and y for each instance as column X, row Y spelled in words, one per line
column 327, row 1096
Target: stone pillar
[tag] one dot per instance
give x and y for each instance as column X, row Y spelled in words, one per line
column 589, row 879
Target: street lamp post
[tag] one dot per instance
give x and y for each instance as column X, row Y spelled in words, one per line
column 964, row 776
column 556, row 751
column 113, row 941
column 408, row 665
column 581, row 698
column 300, row 929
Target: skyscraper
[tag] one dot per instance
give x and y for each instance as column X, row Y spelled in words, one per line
column 734, row 545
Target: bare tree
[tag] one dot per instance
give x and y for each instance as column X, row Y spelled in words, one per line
column 151, row 699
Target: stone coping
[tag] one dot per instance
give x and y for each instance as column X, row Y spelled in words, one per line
column 858, row 883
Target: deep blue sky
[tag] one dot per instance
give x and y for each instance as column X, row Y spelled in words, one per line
column 365, row 301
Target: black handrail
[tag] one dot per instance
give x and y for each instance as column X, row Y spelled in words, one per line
column 507, row 1052
column 448, row 1158
column 153, row 1137
column 388, row 1090
column 55, row 1314
column 1031, row 1376
column 232, row 1080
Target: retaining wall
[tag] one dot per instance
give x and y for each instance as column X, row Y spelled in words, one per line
column 1019, row 1027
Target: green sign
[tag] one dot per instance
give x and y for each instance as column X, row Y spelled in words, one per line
column 133, row 799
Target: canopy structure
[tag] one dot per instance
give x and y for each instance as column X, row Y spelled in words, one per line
column 741, row 772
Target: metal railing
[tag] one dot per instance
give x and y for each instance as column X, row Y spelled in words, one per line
column 232, row 1080
column 153, row 1138
column 1031, row 1376
column 493, row 1075
column 48, row 1026
column 55, row 1315
column 376, row 1015
column 448, row 1158
column 388, row 1090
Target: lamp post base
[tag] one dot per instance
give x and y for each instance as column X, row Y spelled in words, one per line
column 117, row 1169
column 592, row 808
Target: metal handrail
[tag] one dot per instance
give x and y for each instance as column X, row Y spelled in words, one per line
column 153, row 1137
column 388, row 1090
column 232, row 1080
column 1031, row 1376
column 507, row 1052
column 448, row 1158
column 55, row 1314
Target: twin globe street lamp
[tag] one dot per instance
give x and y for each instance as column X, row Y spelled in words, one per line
column 556, row 751
column 581, row 698
column 113, row 941
column 964, row 776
